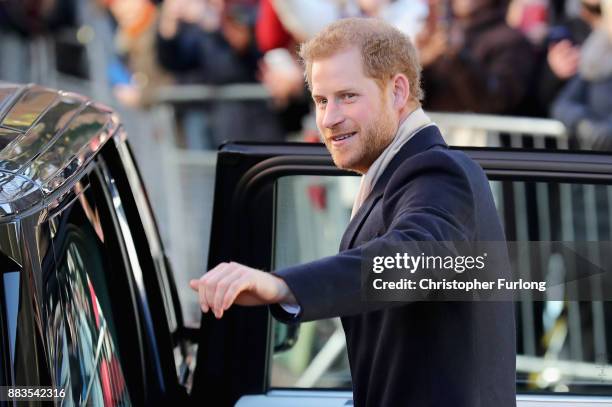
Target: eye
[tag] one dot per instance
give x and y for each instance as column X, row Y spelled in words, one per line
column 321, row 102
column 349, row 96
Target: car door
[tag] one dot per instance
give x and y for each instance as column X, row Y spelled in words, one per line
column 278, row 205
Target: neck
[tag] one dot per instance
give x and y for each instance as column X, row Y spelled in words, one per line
column 407, row 111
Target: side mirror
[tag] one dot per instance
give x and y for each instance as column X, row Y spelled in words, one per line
column 285, row 336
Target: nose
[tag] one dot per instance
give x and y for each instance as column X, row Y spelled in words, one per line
column 332, row 116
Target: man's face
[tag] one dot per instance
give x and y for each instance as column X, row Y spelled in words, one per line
column 354, row 116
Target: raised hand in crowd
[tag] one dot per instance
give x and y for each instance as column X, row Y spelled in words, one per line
column 439, row 37
column 236, row 32
column 204, row 13
column 432, row 42
column 281, row 75
column 563, row 58
column 431, row 45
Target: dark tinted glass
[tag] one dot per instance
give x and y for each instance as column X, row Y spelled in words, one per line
column 83, row 336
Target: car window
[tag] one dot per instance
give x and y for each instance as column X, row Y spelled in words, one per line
column 311, row 214
column 88, row 305
column 562, row 346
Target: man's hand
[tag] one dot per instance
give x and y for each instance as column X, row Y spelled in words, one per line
column 230, row 283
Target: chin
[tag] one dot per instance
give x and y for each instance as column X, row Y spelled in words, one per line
column 348, row 164
column 341, row 162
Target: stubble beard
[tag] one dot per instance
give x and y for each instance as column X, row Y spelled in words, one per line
column 374, row 138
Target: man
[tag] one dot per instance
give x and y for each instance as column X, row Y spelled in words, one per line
column 364, row 78
column 584, row 105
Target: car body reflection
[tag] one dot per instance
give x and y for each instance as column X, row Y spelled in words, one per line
column 85, row 356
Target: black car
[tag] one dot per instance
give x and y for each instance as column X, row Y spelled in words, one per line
column 88, row 304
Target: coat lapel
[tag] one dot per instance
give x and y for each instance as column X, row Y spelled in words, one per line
column 355, row 224
column 423, row 140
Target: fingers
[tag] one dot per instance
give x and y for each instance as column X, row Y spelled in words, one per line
column 222, row 286
column 213, row 286
column 229, row 283
column 201, row 285
column 194, row 285
column 210, row 281
column 202, row 296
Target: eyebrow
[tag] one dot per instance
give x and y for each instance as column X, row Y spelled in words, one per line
column 339, row 92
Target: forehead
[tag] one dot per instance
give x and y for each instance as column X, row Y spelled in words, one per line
column 341, row 70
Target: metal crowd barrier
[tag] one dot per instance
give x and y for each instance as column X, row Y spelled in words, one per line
column 466, row 129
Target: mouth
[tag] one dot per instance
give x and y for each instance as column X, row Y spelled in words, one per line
column 340, row 138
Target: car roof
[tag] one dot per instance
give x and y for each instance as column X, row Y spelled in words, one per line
column 46, row 138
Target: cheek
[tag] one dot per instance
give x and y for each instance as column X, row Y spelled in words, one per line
column 322, row 130
column 318, row 120
column 361, row 114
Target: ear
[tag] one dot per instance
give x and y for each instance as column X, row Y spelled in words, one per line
column 400, row 86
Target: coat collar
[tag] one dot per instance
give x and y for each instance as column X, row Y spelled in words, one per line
column 423, row 140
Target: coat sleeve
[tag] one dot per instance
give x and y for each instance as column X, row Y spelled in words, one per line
column 428, row 199
column 570, row 107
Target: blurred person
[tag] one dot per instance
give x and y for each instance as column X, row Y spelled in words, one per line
column 301, row 19
column 364, row 77
column 406, row 15
column 212, row 42
column 36, row 17
column 305, row 18
column 585, row 104
column 557, row 57
column 270, row 32
column 472, row 60
column 530, row 17
column 135, row 73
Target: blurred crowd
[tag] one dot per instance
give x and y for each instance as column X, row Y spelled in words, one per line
column 537, row 58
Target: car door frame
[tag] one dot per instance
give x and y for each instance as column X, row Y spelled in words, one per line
column 157, row 297
column 235, row 352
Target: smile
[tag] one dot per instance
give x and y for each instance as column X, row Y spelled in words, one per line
column 343, row 136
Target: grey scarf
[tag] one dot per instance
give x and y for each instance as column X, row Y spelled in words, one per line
column 415, row 121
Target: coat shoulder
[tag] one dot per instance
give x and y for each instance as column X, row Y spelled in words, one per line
column 439, row 159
